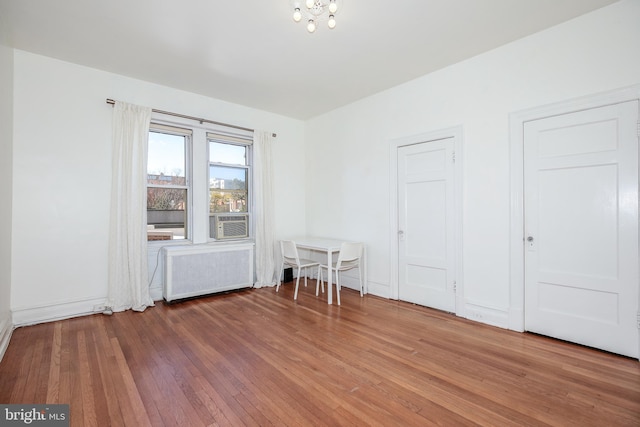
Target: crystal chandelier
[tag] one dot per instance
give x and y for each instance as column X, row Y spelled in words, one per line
column 315, row 11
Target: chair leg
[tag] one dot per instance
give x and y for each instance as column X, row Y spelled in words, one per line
column 361, row 282
column 295, row 294
column 338, row 286
column 319, row 281
column 305, row 277
column 279, row 282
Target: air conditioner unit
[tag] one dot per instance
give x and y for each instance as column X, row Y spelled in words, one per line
column 231, row 226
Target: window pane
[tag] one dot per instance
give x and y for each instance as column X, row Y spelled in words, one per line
column 227, row 153
column 227, row 189
column 166, row 213
column 166, row 159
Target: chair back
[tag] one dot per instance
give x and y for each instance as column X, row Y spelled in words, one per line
column 349, row 257
column 289, row 252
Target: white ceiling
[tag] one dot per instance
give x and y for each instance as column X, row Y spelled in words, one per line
column 251, row 52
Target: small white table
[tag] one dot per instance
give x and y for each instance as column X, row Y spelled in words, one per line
column 329, row 246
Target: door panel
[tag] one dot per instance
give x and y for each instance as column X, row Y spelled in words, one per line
column 425, row 213
column 581, row 225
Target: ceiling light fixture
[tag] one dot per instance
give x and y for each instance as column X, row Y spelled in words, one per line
column 315, row 11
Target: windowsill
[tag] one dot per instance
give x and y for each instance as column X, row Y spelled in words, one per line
column 185, row 242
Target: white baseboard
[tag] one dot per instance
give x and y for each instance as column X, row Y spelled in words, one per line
column 378, row 289
column 476, row 312
column 516, row 319
column 53, row 312
column 353, row 282
column 488, row 315
column 6, row 329
column 156, row 293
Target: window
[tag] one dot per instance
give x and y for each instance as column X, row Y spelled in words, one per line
column 167, row 183
column 229, row 189
column 198, row 181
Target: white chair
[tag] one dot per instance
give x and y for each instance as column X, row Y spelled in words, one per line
column 350, row 256
column 290, row 258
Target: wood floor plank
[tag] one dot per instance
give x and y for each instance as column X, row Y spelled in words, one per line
column 159, row 371
column 86, row 378
column 64, row 390
column 104, row 358
column 15, row 356
column 259, row 358
column 207, row 357
column 243, row 369
column 53, row 383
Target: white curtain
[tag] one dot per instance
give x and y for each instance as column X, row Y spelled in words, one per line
column 128, row 274
column 263, row 210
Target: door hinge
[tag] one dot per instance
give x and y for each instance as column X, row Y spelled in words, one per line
column 455, row 289
column 638, row 318
column 453, row 154
column 638, row 128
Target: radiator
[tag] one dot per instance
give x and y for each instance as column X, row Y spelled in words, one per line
column 196, row 270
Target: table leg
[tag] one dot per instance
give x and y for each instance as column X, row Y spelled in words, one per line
column 329, row 271
column 364, row 267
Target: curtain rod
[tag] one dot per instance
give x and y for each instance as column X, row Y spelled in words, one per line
column 112, row 102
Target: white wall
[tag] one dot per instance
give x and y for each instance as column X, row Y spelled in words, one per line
column 349, row 147
column 6, row 140
column 62, row 176
column 61, row 156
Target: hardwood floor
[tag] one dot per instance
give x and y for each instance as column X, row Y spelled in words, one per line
column 258, row 358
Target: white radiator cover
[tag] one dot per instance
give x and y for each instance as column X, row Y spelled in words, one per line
column 194, row 270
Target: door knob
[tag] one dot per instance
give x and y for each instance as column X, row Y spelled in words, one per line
column 530, row 239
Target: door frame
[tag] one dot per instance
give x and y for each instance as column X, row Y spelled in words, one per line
column 456, row 133
column 517, row 121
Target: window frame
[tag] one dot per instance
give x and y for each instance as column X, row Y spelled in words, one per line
column 197, row 175
column 247, row 143
column 187, row 133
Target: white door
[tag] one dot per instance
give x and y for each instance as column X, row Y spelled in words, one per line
column 581, row 227
column 426, row 224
